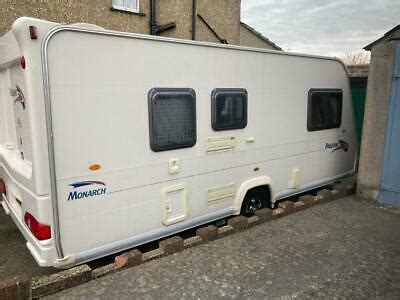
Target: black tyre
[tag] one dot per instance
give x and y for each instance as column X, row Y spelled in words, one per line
column 253, row 201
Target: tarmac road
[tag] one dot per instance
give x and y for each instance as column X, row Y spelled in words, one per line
column 349, row 248
column 15, row 258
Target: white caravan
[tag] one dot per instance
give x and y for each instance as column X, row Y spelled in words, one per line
column 110, row 139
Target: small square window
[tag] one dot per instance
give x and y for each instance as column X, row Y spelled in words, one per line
column 127, row 5
column 324, row 109
column 172, row 116
column 229, row 109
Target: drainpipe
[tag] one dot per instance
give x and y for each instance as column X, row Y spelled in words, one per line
column 153, row 22
column 221, row 40
column 156, row 29
column 194, row 9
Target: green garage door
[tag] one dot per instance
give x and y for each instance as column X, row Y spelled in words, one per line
column 358, row 93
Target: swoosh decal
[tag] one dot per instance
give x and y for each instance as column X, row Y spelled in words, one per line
column 85, row 183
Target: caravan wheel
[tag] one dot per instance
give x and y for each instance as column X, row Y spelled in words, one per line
column 253, row 201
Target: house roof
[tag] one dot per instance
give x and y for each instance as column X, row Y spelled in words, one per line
column 388, row 35
column 258, row 34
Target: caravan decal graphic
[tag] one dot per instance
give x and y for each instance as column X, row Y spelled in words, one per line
column 17, row 92
column 97, row 188
column 337, row 146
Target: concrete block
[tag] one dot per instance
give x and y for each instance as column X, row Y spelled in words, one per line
column 11, row 288
column 264, row 214
column 338, row 186
column 136, row 258
column 172, row 245
column 129, row 259
column 238, row 223
column 193, row 241
column 277, row 213
column 2, row 290
column 287, row 206
column 299, row 205
column 324, row 196
column 351, row 188
column 345, row 189
column 104, row 270
column 252, row 221
column 47, row 285
column 335, row 194
column 153, row 254
column 208, row 233
column 318, row 199
column 23, row 287
column 17, row 287
column 225, row 230
column 121, row 260
column 308, row 200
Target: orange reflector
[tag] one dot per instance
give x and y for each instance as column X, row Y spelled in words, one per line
column 95, row 167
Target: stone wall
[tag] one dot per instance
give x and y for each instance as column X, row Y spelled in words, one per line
column 375, row 119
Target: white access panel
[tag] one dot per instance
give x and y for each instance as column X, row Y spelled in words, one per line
column 174, row 204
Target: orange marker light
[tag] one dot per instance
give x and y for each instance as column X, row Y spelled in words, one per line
column 95, row 167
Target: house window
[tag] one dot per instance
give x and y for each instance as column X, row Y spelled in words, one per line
column 127, row 5
column 324, row 109
column 172, row 117
column 228, row 109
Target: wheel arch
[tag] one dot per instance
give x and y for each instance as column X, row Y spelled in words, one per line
column 250, row 184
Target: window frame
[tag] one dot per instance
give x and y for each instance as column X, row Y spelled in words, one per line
column 124, row 8
column 313, row 91
column 228, row 91
column 152, row 94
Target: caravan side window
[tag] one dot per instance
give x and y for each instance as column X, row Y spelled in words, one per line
column 324, row 109
column 172, row 117
column 228, row 109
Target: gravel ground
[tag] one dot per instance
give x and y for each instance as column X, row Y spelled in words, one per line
column 349, row 248
column 15, row 258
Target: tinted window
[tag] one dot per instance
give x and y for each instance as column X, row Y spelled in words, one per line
column 172, row 116
column 324, row 109
column 229, row 109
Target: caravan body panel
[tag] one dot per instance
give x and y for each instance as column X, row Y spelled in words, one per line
column 95, row 100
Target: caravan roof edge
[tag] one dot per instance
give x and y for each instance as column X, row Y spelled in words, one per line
column 107, row 32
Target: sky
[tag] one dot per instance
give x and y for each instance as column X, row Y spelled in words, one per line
column 323, row 27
